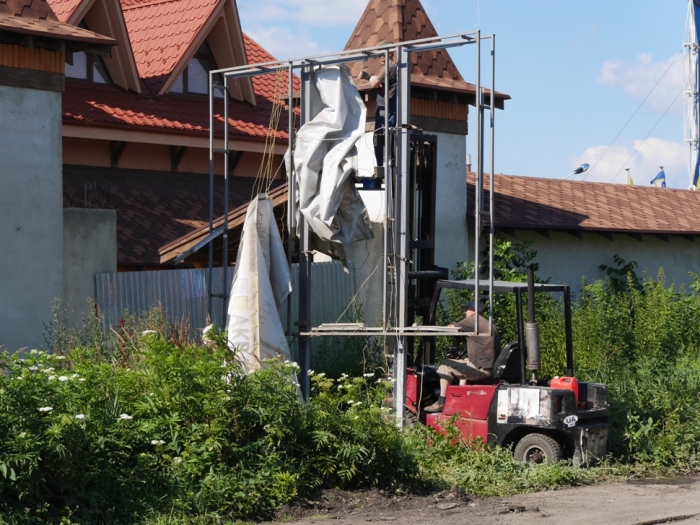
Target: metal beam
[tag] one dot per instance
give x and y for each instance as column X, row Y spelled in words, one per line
column 304, row 311
column 351, row 55
column 401, row 237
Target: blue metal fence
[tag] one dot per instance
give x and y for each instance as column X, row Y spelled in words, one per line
column 183, row 294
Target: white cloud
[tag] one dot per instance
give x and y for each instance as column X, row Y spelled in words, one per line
column 282, row 43
column 644, row 165
column 305, row 12
column 638, row 78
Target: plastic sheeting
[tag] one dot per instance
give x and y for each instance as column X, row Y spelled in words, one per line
column 260, row 284
column 325, row 160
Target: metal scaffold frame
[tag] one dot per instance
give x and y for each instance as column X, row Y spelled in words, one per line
column 396, row 248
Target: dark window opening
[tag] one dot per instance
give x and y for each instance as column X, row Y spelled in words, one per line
column 88, row 66
column 195, row 77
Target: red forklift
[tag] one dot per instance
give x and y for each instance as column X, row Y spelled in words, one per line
column 544, row 420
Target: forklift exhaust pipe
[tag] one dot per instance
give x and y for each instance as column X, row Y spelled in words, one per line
column 532, row 329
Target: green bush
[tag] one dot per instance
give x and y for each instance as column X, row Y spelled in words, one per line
column 180, row 429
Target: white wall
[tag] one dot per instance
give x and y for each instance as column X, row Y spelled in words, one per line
column 451, row 239
column 567, row 259
column 31, row 211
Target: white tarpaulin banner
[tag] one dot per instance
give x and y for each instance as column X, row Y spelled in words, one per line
column 325, row 159
column 260, row 284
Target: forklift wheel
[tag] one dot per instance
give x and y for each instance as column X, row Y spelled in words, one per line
column 538, row 448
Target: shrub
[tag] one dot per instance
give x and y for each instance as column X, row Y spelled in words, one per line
column 182, row 429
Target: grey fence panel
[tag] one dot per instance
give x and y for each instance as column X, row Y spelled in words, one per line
column 183, row 294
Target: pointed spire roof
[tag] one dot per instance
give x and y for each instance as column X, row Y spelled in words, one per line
column 400, row 21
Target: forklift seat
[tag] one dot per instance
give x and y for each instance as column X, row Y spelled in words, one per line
column 505, row 368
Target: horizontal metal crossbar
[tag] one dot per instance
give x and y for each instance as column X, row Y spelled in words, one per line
column 421, row 44
column 360, row 330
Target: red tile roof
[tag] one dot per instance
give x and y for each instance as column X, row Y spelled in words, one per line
column 35, row 17
column 152, row 208
column 110, row 106
column 161, row 32
column 537, row 203
column 64, row 9
column 400, row 21
column 106, row 105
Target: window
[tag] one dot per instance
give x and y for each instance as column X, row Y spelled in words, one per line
column 195, row 77
column 87, row 66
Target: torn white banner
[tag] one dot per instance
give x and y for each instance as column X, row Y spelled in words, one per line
column 325, row 158
column 260, row 284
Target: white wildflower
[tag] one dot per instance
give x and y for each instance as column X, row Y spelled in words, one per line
column 48, row 370
column 81, row 379
column 59, row 357
column 322, row 374
column 294, row 364
column 33, row 368
column 74, row 376
column 63, row 378
column 148, row 332
column 351, row 402
column 51, row 378
column 343, row 375
column 19, row 378
column 23, row 434
column 45, row 409
column 379, row 380
column 287, row 361
column 295, row 383
column 125, row 416
column 34, row 351
column 358, row 403
column 80, row 416
column 177, row 460
column 310, row 372
column 157, row 442
column 371, row 374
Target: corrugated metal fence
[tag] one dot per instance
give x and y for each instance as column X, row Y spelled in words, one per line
column 183, row 294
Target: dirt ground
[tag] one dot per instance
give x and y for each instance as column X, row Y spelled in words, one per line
column 645, row 502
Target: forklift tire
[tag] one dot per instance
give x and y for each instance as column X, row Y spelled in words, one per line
column 537, row 448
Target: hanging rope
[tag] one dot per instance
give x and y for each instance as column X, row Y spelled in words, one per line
column 265, row 176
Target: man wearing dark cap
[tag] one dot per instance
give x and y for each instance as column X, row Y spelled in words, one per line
column 481, row 354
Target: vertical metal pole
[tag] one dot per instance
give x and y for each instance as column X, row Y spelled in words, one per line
column 567, row 330
column 492, row 180
column 304, row 321
column 478, row 180
column 521, row 335
column 388, row 181
column 403, row 161
column 210, row 284
column 224, row 253
column 291, row 191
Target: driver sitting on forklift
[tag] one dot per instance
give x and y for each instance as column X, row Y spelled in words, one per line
column 481, row 354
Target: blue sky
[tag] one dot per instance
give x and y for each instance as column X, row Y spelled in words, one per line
column 577, row 71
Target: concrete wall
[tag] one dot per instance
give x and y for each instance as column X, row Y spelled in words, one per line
column 31, row 208
column 89, row 247
column 567, row 259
